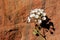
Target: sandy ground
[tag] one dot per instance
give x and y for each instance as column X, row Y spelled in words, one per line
column 13, row 15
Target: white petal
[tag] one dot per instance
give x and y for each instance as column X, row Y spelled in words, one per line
column 28, row 19
column 43, row 14
column 43, row 18
column 32, row 11
column 32, row 15
column 39, row 10
column 36, row 10
column 36, row 16
column 38, row 13
column 39, row 21
column 42, row 10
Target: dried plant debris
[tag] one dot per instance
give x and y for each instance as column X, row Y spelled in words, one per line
column 8, row 16
column 12, row 30
column 17, row 18
column 8, row 19
column 11, row 34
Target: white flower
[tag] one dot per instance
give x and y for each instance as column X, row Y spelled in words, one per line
column 35, row 10
column 28, row 19
column 39, row 21
column 32, row 11
column 39, row 10
column 35, row 13
column 42, row 10
column 32, row 15
column 43, row 14
column 38, row 13
column 36, row 16
column 43, row 18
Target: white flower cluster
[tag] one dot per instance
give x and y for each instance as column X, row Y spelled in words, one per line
column 38, row 14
